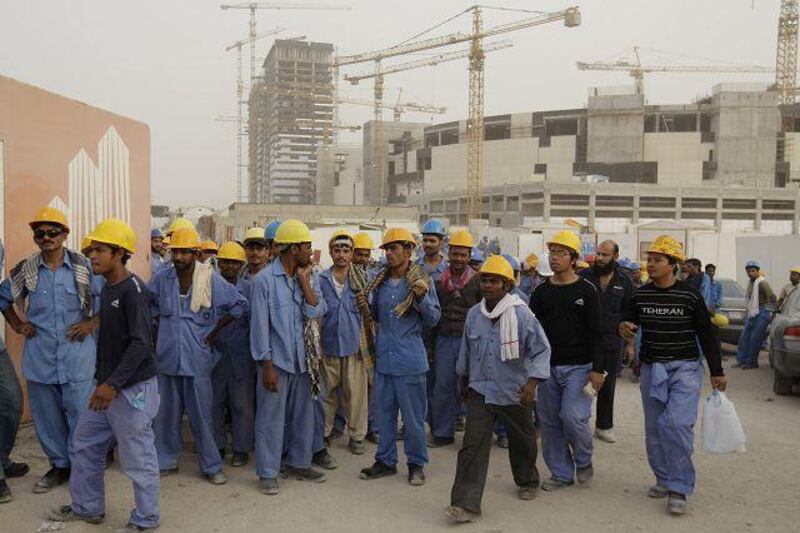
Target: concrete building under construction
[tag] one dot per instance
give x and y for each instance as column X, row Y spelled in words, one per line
column 291, row 115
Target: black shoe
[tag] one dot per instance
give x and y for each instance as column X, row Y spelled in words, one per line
column 239, row 458
column 373, row 437
column 324, row 459
column 416, row 476
column 109, row 458
column 304, row 474
column 222, row 453
column 378, row 469
column 335, row 434
column 17, row 470
column 133, row 527
column 168, row 471
column 52, row 479
column 5, row 492
column 437, row 442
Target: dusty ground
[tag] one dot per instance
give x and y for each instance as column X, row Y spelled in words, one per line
column 754, row 491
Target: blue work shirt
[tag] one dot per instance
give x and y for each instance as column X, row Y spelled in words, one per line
column 181, row 347
column 341, row 324
column 399, row 346
column 715, row 302
column 233, row 341
column 434, row 273
column 48, row 357
column 276, row 318
column 705, row 289
column 497, row 380
column 519, row 292
column 156, row 262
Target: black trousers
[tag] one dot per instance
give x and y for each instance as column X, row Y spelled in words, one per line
column 473, row 458
column 605, row 398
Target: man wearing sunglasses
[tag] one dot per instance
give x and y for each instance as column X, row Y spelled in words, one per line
column 59, row 354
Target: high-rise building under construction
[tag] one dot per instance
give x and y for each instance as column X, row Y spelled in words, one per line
column 291, row 115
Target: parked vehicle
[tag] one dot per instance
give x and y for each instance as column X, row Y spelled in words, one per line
column 784, row 348
column 735, row 308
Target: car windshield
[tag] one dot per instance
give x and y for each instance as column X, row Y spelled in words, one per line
column 731, row 289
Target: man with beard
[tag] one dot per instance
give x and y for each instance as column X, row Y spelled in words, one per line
column 192, row 303
column 156, row 245
column 458, row 290
column 285, row 304
column 615, row 289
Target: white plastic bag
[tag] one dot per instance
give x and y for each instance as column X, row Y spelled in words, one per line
column 722, row 431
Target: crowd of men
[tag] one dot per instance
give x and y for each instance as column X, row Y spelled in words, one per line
column 264, row 352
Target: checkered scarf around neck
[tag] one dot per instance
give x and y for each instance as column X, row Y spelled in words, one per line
column 25, row 275
column 413, row 275
column 313, row 349
column 454, row 286
column 357, row 276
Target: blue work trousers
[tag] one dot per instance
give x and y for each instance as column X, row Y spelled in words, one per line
column 239, row 395
column 55, row 410
column 195, row 395
column 670, row 394
column 129, row 420
column 564, row 410
column 11, row 411
column 752, row 338
column 446, row 403
column 408, row 395
column 286, row 415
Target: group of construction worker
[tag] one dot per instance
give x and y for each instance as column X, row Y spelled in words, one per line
column 264, row 352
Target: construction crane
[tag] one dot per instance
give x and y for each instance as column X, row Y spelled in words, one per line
column 253, row 6
column 239, row 102
column 786, row 57
column 571, row 18
column 398, row 108
column 637, row 71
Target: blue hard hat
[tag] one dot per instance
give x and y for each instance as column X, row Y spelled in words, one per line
column 513, row 261
column 271, row 229
column 156, row 233
column 434, row 227
column 752, row 264
column 626, row 263
column 476, row 255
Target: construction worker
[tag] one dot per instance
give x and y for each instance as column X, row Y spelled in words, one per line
column 192, row 303
column 208, row 252
column 10, row 415
column 156, row 245
column 234, row 376
column 789, row 291
column 344, row 365
column 59, row 353
column 758, row 297
column 432, row 260
column 177, row 224
column 530, row 277
column 504, row 355
column 269, row 235
column 362, row 251
column 476, row 259
column 285, row 300
column 457, row 290
column 165, row 250
column 514, row 262
column 672, row 317
column 715, row 289
column 403, row 304
column 126, row 398
column 568, row 308
column 615, row 289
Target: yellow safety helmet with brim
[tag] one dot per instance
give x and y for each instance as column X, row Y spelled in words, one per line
column 232, row 251
column 293, row 232
column 179, row 223
column 461, row 238
column 568, row 239
column 184, row 239
column 397, row 235
column 362, row 241
column 115, row 232
column 255, row 234
column 341, row 236
column 532, row 261
column 498, row 266
column 49, row 215
column 209, row 246
column 669, row 246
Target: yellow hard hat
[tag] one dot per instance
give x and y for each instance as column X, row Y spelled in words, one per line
column 497, row 265
column 719, row 320
column 461, row 238
column 796, row 270
column 567, row 239
column 49, row 215
column 185, row 238
column 341, row 234
column 666, row 245
column 293, row 232
column 254, row 234
column 86, row 243
column 166, row 240
column 232, row 251
column 115, row 232
column 582, row 264
column 397, row 235
column 362, row 241
column 532, row 261
column 209, row 246
column 179, row 223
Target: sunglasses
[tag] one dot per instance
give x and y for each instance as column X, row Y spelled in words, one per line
column 51, row 233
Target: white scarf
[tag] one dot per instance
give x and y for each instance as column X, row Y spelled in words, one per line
column 201, row 287
column 752, row 303
column 509, row 335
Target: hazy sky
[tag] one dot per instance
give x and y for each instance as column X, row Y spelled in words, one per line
column 163, row 62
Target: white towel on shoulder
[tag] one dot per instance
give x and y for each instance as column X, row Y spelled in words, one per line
column 509, row 334
column 752, row 303
column 201, row 287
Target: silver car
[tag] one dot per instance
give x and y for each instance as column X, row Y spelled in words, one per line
column 734, row 307
column 784, row 347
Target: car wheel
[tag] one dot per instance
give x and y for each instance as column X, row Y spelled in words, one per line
column 781, row 385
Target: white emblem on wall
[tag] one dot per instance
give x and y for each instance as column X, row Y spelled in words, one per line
column 97, row 191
